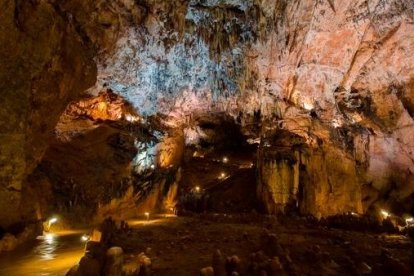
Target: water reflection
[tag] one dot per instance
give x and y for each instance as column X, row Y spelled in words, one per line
column 50, row 254
column 46, row 249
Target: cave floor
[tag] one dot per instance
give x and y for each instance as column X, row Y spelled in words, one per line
column 184, row 245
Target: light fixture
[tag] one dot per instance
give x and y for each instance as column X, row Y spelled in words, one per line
column 152, row 166
column 225, row 160
column 50, row 222
column 385, row 214
column 222, row 175
column 85, row 238
column 147, row 214
column 308, row 105
column 132, row 118
column 197, row 189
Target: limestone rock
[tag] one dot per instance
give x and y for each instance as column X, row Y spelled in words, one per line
column 232, row 265
column 218, row 263
column 74, row 271
column 114, row 261
column 336, row 76
column 8, row 243
column 43, row 66
column 207, row 271
column 145, row 264
column 275, row 265
column 89, row 266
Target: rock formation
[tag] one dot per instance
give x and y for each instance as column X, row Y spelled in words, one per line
column 325, row 87
column 44, row 64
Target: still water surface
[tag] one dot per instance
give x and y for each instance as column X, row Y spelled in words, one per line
column 51, row 254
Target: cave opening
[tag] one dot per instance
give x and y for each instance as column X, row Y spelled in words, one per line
column 218, row 172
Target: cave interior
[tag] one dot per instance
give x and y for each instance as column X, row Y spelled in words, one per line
column 206, row 137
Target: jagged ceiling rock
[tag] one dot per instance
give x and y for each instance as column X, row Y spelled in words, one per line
column 340, row 72
column 320, row 69
column 330, row 71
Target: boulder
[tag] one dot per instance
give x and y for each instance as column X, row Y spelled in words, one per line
column 96, row 250
column 207, row 271
column 74, row 271
column 145, row 265
column 218, row 264
column 232, row 264
column 114, row 261
column 275, row 265
column 272, row 246
column 8, row 242
column 89, row 266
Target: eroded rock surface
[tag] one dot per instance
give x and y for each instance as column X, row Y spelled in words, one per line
column 44, row 64
column 330, row 71
column 336, row 75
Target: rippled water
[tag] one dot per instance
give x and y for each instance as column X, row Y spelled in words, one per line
column 50, row 254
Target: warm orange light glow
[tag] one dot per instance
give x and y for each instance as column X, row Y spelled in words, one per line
column 85, row 238
column 385, row 214
column 132, row 118
column 222, row 175
column 50, row 222
column 102, row 106
column 49, row 238
column 308, row 105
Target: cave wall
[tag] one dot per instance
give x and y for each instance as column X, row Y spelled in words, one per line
column 106, row 160
column 350, row 63
column 320, row 180
column 278, row 183
column 43, row 66
column 340, row 72
column 330, row 183
column 331, row 71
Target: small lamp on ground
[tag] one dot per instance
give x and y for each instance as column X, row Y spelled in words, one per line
column 50, row 222
column 147, row 215
column 85, row 238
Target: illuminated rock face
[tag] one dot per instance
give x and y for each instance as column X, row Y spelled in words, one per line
column 106, row 161
column 337, row 74
column 320, row 182
column 294, row 175
column 330, row 71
